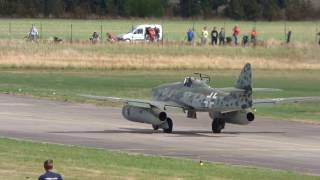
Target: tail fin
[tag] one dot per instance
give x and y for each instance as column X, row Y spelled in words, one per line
column 245, row 78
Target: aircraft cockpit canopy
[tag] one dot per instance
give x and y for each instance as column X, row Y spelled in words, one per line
column 203, row 77
column 195, row 82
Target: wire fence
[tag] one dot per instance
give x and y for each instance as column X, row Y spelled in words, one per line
column 174, row 30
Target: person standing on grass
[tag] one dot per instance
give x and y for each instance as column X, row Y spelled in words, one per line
column 33, row 34
column 49, row 175
column 214, row 36
column 253, row 35
column 190, row 36
column 236, row 33
column 222, row 37
column 94, row 38
column 204, row 36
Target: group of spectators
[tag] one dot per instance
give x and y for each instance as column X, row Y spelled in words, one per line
column 220, row 37
column 217, row 38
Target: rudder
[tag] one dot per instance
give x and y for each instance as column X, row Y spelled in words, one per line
column 245, row 78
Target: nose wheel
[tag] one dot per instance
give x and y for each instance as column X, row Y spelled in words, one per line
column 170, row 126
column 217, row 125
column 155, row 127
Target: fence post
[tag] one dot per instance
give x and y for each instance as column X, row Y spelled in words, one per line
column 40, row 36
column 317, row 31
column 101, row 32
column 71, row 33
column 10, row 30
column 162, row 24
column 285, row 30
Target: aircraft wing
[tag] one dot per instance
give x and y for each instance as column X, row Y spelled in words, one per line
column 261, row 102
column 138, row 102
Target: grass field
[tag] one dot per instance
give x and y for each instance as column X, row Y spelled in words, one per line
column 174, row 29
column 66, row 84
column 23, row 160
column 151, row 57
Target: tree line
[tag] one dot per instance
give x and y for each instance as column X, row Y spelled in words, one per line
column 235, row 9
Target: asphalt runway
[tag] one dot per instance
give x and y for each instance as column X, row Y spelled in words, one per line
column 264, row 143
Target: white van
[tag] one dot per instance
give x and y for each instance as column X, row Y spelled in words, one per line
column 139, row 33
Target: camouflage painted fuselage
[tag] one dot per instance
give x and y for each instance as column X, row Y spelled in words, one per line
column 201, row 97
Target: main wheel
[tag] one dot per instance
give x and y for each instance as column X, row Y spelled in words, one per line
column 170, row 124
column 155, row 127
column 217, row 125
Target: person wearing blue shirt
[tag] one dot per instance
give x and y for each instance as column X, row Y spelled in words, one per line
column 190, row 36
column 49, row 175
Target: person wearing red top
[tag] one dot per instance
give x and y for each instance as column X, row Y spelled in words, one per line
column 253, row 35
column 236, row 33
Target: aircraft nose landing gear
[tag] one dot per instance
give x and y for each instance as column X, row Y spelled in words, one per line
column 217, row 125
column 155, row 127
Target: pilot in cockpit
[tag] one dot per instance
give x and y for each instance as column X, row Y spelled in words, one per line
column 187, row 82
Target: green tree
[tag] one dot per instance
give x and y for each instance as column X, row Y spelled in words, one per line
column 216, row 4
column 271, row 10
column 205, row 8
column 189, row 8
column 251, row 9
column 293, row 10
column 236, row 10
column 8, row 7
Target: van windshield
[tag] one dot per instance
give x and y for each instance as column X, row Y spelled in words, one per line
column 131, row 30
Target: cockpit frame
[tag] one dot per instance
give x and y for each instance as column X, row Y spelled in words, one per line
column 203, row 77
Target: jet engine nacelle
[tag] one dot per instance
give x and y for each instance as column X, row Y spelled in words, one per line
column 239, row 117
column 143, row 115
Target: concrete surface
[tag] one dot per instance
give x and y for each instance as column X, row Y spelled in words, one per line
column 264, row 143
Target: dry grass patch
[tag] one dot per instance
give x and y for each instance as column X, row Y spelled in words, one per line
column 143, row 56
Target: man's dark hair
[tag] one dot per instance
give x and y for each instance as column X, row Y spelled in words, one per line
column 48, row 164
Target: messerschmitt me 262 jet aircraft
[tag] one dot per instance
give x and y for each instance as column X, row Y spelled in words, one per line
column 224, row 105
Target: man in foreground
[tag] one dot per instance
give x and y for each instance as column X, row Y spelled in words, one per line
column 49, row 175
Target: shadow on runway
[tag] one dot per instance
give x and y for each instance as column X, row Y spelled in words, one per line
column 146, row 131
column 192, row 133
column 254, row 132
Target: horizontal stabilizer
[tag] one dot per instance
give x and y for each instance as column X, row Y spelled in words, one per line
column 233, row 89
column 274, row 101
column 266, row 90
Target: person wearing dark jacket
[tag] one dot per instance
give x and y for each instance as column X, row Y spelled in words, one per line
column 214, row 36
column 222, row 37
column 49, row 174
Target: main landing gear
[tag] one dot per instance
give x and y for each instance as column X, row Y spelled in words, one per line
column 217, row 125
column 170, row 126
column 167, row 127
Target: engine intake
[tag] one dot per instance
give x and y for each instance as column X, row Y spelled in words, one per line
column 250, row 116
column 160, row 114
